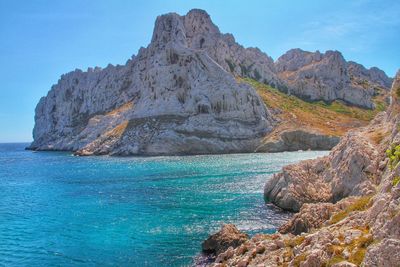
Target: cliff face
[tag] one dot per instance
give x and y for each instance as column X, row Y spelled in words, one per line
column 374, row 76
column 350, row 204
column 202, row 34
column 327, row 76
column 169, row 99
column 179, row 96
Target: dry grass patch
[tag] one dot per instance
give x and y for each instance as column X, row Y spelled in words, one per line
column 335, row 118
column 118, row 130
column 359, row 205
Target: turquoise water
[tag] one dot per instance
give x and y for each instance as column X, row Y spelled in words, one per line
column 61, row 210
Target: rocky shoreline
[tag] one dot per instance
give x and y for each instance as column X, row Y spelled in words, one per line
column 347, row 204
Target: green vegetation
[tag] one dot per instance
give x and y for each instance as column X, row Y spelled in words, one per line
column 290, row 102
column 380, row 105
column 231, row 65
column 294, row 242
column 244, row 70
column 298, row 259
column 393, row 153
column 359, row 205
column 257, row 75
column 398, row 91
column 396, row 181
column 357, row 249
column 334, row 260
column 334, row 118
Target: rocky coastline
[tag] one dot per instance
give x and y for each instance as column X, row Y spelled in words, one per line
column 347, row 204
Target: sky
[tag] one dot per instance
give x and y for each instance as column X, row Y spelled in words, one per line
column 40, row 40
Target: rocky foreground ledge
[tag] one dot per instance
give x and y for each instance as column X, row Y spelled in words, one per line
column 348, row 205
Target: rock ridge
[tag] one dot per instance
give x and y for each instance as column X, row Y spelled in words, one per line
column 189, row 70
column 328, row 76
column 169, row 99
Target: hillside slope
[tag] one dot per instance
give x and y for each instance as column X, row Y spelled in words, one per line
column 309, row 125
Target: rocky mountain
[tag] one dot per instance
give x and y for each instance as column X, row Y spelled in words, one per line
column 183, row 95
column 327, row 76
column 375, row 76
column 170, row 99
column 203, row 34
column 347, row 203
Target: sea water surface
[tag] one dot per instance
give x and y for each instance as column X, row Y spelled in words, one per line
column 61, row 210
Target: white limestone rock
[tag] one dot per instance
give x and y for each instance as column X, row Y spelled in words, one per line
column 169, row 99
column 202, row 34
column 327, row 76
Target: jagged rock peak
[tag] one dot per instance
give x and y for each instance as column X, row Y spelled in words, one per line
column 169, row 27
column 172, row 98
column 374, row 74
column 296, row 58
column 327, row 76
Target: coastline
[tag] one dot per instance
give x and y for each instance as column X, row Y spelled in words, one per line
column 347, row 205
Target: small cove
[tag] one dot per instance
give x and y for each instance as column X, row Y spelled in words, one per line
column 57, row 209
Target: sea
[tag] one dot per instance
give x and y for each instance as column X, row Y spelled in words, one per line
column 57, row 209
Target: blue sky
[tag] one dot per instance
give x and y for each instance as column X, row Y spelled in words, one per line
column 40, row 40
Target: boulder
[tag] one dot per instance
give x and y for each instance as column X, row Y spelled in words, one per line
column 228, row 236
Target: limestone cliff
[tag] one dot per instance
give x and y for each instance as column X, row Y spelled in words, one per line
column 202, row 34
column 172, row 98
column 182, row 95
column 327, row 76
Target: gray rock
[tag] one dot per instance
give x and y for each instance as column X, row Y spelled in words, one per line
column 202, row 34
column 328, row 77
column 228, row 236
column 180, row 96
column 374, row 75
column 384, row 254
column 300, row 140
column 346, row 171
column 171, row 98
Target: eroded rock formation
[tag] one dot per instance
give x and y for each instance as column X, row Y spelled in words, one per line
column 327, row 76
column 355, row 231
column 172, row 98
column 180, row 96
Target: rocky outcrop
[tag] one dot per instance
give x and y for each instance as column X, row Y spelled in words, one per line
column 313, row 216
column 356, row 231
column 180, row 95
column 228, row 236
column 202, row 34
column 328, row 77
column 375, row 76
column 347, row 171
column 299, row 140
column 172, row 98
